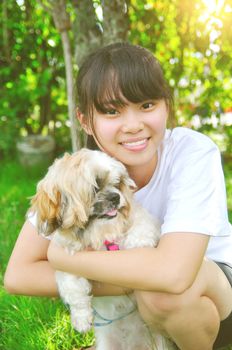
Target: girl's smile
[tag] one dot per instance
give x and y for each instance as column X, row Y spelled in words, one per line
column 135, row 145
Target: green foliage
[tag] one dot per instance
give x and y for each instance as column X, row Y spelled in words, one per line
column 33, row 98
column 192, row 42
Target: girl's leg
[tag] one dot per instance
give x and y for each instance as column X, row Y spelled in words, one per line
column 191, row 319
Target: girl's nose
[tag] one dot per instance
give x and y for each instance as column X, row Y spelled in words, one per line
column 132, row 123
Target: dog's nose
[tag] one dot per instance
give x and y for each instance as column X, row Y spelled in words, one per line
column 114, row 198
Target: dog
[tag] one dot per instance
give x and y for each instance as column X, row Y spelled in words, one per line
column 86, row 200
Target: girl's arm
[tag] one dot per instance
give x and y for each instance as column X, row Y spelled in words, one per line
column 171, row 267
column 29, row 272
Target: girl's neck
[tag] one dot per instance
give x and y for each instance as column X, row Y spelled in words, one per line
column 143, row 174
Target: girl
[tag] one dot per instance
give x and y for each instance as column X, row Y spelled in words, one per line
column 183, row 287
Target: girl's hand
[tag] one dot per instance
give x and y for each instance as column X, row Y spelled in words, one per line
column 56, row 255
column 60, row 260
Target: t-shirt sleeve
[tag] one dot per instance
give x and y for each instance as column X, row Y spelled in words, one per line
column 32, row 218
column 196, row 195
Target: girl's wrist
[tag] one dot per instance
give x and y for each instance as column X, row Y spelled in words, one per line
column 57, row 256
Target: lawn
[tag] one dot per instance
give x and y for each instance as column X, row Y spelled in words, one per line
column 25, row 322
column 35, row 323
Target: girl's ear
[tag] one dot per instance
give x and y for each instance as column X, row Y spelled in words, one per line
column 83, row 122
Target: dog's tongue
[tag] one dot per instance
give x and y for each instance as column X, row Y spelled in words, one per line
column 112, row 212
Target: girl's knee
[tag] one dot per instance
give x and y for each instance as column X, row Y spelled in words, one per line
column 159, row 305
column 172, row 314
column 165, row 305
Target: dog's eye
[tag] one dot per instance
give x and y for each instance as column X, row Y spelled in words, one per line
column 98, row 185
column 117, row 184
column 96, row 189
column 98, row 182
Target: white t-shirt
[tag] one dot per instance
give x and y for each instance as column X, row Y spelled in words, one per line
column 187, row 191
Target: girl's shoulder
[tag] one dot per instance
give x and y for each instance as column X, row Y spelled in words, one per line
column 184, row 140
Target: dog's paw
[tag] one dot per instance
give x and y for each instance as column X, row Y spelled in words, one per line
column 82, row 323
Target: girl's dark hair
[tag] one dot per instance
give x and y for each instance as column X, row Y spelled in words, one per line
column 118, row 73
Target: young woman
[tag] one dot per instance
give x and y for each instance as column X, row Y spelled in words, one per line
column 183, row 287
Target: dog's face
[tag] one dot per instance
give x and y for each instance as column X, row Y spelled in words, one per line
column 80, row 189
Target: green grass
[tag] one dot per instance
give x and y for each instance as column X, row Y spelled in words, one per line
column 36, row 323
column 25, row 322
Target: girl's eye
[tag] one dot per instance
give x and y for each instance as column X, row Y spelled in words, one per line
column 148, row 105
column 112, row 112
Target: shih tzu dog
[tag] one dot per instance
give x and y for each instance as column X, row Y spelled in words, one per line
column 86, row 200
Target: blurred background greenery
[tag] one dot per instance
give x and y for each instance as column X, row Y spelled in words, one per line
column 191, row 39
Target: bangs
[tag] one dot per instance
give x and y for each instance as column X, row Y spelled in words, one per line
column 118, row 74
column 124, row 80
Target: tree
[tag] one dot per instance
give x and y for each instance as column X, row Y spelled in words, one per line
column 88, row 36
column 32, row 63
column 30, row 73
column 192, row 42
column 63, row 24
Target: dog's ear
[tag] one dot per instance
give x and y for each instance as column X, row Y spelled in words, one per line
column 127, row 187
column 72, row 212
column 126, row 181
column 47, row 211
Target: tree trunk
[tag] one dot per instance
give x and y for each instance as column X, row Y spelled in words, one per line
column 115, row 20
column 57, row 8
column 62, row 23
column 86, row 29
column 70, row 90
column 90, row 33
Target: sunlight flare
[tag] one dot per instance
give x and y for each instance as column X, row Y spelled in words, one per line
column 213, row 5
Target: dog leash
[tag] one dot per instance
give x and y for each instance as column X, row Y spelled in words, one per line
column 107, row 321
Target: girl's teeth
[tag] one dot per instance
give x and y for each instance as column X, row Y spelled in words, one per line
column 137, row 143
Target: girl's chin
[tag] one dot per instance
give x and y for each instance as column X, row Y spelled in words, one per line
column 137, row 160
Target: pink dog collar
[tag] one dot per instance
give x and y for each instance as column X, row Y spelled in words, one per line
column 111, row 245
